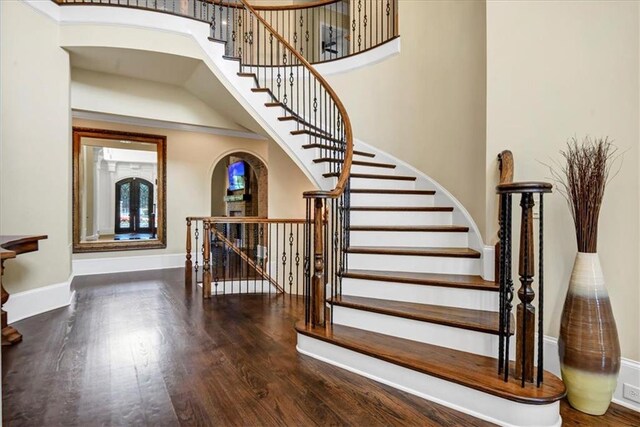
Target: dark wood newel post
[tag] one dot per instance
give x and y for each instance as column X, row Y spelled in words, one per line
column 188, row 265
column 526, row 311
column 206, row 256
column 318, row 287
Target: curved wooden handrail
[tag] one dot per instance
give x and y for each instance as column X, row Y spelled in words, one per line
column 318, row 3
column 348, row 132
column 505, row 164
column 524, row 187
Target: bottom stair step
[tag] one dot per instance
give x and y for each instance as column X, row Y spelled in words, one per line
column 436, row 373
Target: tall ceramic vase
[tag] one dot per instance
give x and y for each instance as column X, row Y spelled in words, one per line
column 588, row 344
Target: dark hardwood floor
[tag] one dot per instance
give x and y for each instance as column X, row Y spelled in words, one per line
column 139, row 349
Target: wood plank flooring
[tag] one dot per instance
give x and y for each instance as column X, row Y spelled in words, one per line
column 139, row 349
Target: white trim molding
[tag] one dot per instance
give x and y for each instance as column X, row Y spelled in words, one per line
column 90, row 266
column 161, row 124
column 40, row 300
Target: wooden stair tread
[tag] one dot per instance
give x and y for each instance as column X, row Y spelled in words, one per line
column 463, row 318
column 329, row 147
column 429, row 279
column 273, row 104
column 467, row 369
column 402, row 208
column 373, row 176
column 356, row 163
column 392, row 191
column 404, row 250
column 412, row 228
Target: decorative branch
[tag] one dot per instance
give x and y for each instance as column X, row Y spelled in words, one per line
column 581, row 179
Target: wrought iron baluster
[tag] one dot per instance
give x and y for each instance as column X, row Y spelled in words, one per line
column 540, row 291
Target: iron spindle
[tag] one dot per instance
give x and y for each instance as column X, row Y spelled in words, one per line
column 540, row 291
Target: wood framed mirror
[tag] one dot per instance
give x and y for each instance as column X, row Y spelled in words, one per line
column 119, row 200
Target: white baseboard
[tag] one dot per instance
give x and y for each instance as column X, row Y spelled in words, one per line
column 629, row 372
column 85, row 267
column 40, row 300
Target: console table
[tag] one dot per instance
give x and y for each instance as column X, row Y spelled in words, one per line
column 10, row 247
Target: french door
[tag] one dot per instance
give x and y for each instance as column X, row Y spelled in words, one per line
column 134, row 206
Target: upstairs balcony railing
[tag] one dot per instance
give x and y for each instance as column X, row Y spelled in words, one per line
column 320, row 31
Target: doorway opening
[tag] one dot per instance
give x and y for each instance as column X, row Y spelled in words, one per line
column 134, row 209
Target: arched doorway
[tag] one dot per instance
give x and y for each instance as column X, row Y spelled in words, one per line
column 134, row 206
column 248, row 197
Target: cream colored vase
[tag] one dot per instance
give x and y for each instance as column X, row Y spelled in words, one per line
column 588, row 344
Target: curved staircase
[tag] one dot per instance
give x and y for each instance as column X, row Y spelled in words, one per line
column 407, row 286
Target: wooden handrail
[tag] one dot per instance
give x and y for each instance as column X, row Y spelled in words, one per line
column 346, row 166
column 245, row 220
column 318, row 3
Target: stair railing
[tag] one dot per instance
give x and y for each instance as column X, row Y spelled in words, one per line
column 305, row 97
column 320, row 31
column 245, row 255
column 526, row 344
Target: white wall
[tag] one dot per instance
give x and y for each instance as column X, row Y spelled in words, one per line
column 557, row 70
column 35, row 151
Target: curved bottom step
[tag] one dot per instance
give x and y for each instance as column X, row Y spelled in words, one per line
column 462, row 381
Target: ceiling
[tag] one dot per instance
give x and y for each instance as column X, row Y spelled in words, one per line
column 191, row 74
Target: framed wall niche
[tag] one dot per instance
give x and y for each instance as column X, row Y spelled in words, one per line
column 119, row 191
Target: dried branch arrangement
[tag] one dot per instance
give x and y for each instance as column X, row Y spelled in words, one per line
column 582, row 179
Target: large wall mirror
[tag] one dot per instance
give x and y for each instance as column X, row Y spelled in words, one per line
column 118, row 191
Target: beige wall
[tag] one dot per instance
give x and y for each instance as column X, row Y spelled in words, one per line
column 109, row 93
column 35, row 150
column 191, row 158
column 427, row 104
column 557, row 70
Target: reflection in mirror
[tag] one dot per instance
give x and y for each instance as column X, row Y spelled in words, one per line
column 118, row 191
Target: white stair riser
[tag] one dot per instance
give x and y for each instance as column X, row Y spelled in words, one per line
column 431, row 333
column 423, row 294
column 418, row 264
column 473, row 402
column 409, row 238
column 372, row 169
column 399, row 200
column 382, row 183
column 400, row 218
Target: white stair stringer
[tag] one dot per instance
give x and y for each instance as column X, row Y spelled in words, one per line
column 461, row 398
